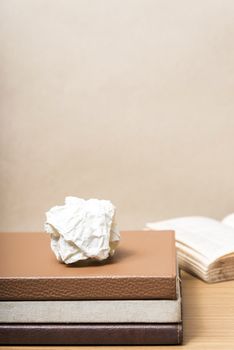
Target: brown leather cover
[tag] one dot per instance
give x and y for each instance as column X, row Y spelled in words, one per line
column 144, row 267
column 87, row 334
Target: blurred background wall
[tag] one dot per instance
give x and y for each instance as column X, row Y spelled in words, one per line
column 129, row 100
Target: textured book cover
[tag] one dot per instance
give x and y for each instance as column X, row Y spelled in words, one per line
column 143, row 267
column 91, row 334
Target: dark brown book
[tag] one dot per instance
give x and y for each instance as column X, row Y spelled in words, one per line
column 143, row 267
column 87, row 334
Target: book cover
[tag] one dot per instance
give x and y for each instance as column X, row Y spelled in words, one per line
column 143, row 267
column 91, row 334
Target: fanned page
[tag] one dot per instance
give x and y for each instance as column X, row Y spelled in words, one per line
column 201, row 243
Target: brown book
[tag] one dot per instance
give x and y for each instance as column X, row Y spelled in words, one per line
column 143, row 267
column 91, row 334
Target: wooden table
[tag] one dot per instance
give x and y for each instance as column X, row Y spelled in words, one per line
column 208, row 318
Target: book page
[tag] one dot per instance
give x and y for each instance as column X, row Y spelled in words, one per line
column 208, row 237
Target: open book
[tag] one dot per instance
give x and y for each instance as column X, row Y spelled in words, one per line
column 205, row 247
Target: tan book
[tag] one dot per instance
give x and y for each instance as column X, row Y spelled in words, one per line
column 143, row 267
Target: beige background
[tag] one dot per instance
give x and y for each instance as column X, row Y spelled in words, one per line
column 127, row 100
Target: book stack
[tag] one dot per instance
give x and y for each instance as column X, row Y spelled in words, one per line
column 133, row 298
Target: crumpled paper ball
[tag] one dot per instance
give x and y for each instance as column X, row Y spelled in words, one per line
column 82, row 229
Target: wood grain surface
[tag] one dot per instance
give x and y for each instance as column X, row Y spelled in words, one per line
column 208, row 318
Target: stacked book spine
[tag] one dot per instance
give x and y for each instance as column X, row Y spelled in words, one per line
column 133, row 299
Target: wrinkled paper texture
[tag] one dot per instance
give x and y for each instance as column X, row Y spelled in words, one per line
column 82, row 229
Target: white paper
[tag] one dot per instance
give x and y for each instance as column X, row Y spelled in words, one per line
column 82, row 229
column 229, row 220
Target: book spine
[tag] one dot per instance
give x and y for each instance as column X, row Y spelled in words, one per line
column 87, row 334
column 86, row 289
column 91, row 311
